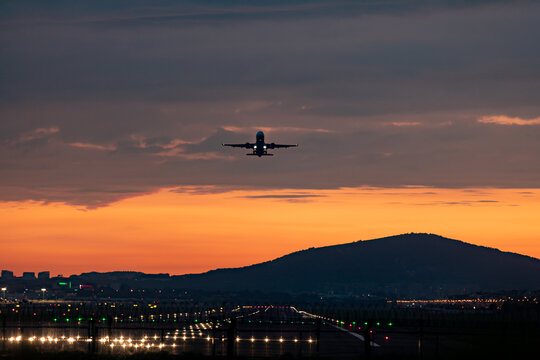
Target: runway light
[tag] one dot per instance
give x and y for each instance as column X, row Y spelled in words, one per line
column 266, row 339
column 386, row 338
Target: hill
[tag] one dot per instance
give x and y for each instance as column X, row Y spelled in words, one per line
column 402, row 265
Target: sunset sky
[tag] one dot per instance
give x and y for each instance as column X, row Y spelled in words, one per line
column 411, row 116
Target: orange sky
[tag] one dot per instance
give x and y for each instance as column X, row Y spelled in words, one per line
column 183, row 232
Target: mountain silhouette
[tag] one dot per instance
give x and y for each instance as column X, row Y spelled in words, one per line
column 404, row 265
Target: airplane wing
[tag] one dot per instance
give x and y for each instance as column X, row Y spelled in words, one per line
column 277, row 146
column 246, row 145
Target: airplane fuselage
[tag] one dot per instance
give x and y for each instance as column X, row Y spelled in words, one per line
column 260, row 147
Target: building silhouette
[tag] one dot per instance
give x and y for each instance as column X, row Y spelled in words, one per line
column 6, row 274
column 44, row 275
column 28, row 275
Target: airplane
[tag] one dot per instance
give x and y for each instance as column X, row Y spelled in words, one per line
column 259, row 147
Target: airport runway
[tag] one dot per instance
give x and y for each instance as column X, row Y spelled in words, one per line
column 262, row 331
column 290, row 324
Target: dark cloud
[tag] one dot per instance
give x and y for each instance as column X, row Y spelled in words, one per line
column 461, row 203
column 106, row 100
column 205, row 190
column 284, row 196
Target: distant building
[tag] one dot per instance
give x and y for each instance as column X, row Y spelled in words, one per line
column 6, row 274
column 28, row 275
column 44, row 275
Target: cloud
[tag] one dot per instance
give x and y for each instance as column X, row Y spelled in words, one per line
column 461, row 203
column 143, row 142
column 405, row 123
column 38, row 133
column 205, row 190
column 206, row 156
column 180, row 152
column 86, row 197
column 291, row 198
column 506, row 120
column 284, row 196
column 293, row 129
column 148, row 93
column 93, row 146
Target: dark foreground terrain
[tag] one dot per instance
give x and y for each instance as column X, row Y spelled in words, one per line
column 401, row 266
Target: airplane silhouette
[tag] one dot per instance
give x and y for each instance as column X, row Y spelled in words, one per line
column 259, row 147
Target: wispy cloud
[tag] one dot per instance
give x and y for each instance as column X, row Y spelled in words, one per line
column 283, row 196
column 37, row 134
column 463, row 202
column 249, row 129
column 405, row 123
column 180, row 153
column 206, row 156
column 93, row 146
column 506, row 120
column 235, row 129
column 296, row 129
column 143, row 142
column 205, row 189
